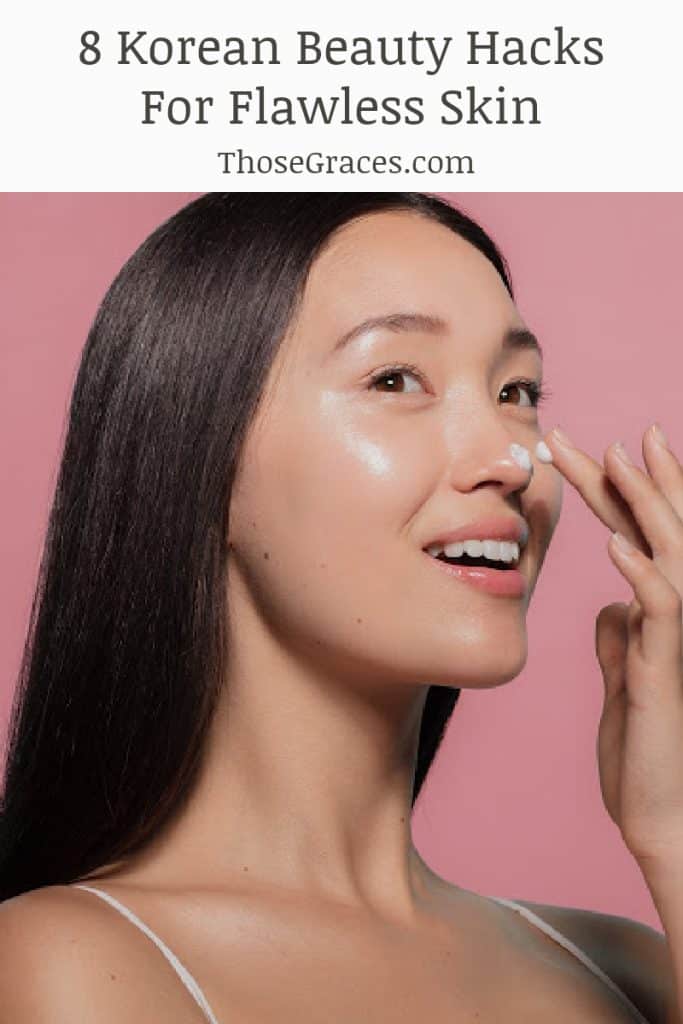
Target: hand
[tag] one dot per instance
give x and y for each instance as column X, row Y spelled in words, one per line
column 639, row 645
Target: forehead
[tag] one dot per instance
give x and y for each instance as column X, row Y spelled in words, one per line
column 403, row 260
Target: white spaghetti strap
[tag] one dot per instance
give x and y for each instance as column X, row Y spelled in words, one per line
column 180, row 970
column 572, row 948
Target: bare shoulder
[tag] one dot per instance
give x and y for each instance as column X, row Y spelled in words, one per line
column 65, row 956
column 634, row 955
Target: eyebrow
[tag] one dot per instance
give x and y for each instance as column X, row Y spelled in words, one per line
column 515, row 339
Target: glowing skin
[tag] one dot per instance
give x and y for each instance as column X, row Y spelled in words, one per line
column 337, row 621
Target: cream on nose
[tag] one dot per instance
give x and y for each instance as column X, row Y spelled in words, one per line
column 521, row 455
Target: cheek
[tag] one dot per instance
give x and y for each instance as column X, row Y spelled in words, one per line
column 553, row 494
column 352, row 482
column 327, row 495
column 544, row 510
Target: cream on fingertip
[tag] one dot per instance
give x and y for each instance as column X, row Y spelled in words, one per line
column 543, row 452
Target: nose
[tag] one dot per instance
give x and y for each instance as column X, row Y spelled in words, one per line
column 508, row 464
column 515, row 467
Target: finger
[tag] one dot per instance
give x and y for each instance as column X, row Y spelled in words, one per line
column 588, row 477
column 658, row 640
column 665, row 469
column 611, row 641
column 657, row 520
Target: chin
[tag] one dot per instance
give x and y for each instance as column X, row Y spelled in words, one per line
column 479, row 674
column 489, row 681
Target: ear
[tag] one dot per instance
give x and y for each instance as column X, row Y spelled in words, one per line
column 611, row 641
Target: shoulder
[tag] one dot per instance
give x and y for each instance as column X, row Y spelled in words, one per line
column 66, row 955
column 634, row 955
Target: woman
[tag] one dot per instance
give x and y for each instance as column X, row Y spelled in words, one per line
column 246, row 643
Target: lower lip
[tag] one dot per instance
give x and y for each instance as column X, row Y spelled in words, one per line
column 505, row 582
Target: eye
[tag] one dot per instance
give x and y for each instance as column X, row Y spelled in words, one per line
column 536, row 391
column 391, row 373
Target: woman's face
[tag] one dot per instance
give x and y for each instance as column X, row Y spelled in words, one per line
column 343, row 483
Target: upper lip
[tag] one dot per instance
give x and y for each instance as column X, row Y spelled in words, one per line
column 484, row 529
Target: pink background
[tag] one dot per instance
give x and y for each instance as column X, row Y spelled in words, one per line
column 513, row 804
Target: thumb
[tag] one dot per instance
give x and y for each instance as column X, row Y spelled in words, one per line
column 611, row 640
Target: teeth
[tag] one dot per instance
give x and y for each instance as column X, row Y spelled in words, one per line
column 505, row 551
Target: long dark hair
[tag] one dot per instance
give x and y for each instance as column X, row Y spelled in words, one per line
column 126, row 640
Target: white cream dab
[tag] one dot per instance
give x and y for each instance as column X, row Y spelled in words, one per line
column 521, row 455
column 543, row 452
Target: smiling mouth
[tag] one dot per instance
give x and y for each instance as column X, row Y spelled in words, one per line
column 472, row 560
column 485, row 575
column 467, row 561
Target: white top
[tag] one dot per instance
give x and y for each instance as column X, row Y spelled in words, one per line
column 572, row 948
column 202, row 1001
column 175, row 963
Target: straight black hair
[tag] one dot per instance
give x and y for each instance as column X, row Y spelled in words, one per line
column 126, row 641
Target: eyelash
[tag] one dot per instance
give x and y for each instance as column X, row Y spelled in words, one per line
column 537, row 392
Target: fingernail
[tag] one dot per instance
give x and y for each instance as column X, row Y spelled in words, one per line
column 621, row 452
column 561, row 437
column 659, row 435
column 543, row 452
column 622, row 543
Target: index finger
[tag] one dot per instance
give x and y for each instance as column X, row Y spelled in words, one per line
column 588, row 477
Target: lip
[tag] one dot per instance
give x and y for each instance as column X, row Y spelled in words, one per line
column 492, row 528
column 501, row 582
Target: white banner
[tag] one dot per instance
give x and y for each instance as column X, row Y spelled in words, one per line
column 431, row 96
